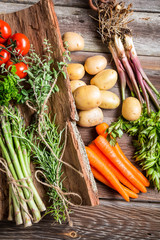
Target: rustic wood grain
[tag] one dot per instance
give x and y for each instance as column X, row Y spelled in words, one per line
column 137, row 5
column 110, row 220
column 145, row 32
column 114, row 218
column 39, row 23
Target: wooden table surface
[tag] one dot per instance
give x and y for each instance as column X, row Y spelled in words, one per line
column 113, row 218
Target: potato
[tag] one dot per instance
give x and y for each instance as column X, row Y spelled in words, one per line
column 90, row 118
column 75, row 71
column 76, row 84
column 131, row 109
column 105, row 79
column 87, row 97
column 95, row 64
column 74, row 40
column 109, row 100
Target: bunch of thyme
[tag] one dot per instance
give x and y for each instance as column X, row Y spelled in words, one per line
column 42, row 77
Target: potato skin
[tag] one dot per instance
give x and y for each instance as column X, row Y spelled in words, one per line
column 75, row 41
column 75, row 71
column 76, row 84
column 105, row 79
column 87, row 97
column 95, row 64
column 90, row 118
column 109, row 100
column 131, row 109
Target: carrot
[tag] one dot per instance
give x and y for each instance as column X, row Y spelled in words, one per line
column 97, row 163
column 102, row 179
column 131, row 167
column 109, row 152
column 101, row 128
column 115, row 171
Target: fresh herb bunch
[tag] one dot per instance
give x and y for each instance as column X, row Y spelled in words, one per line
column 41, row 74
column 146, row 131
column 47, row 146
column 43, row 158
column 10, row 87
column 50, row 166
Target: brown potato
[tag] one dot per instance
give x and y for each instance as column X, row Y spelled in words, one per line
column 90, row 118
column 109, row 100
column 95, row 64
column 105, row 79
column 131, row 109
column 74, row 40
column 76, row 84
column 87, row 97
column 75, row 71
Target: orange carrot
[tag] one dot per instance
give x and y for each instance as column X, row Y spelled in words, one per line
column 109, row 152
column 102, row 179
column 115, row 171
column 101, row 128
column 97, row 163
column 131, row 167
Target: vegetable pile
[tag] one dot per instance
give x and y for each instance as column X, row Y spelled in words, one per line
column 113, row 20
column 41, row 140
column 90, row 99
column 110, row 166
column 137, row 118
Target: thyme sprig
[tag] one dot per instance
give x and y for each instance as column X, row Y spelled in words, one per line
column 146, row 131
column 41, row 75
column 47, row 150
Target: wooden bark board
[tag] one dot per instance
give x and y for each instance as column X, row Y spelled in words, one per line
column 110, row 220
column 40, row 22
column 137, row 5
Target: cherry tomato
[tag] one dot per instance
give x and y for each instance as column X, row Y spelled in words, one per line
column 20, row 68
column 5, row 31
column 22, row 43
column 4, row 55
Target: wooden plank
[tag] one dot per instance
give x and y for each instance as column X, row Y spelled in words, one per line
column 147, row 62
column 141, row 5
column 146, row 32
column 12, row 7
column 107, row 193
column 110, row 220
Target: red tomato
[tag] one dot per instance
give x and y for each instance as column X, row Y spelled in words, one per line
column 4, row 55
column 22, row 43
column 5, row 31
column 20, row 68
